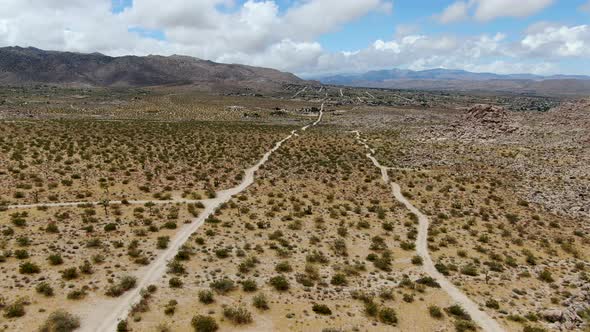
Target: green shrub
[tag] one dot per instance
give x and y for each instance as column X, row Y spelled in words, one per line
column 339, row 279
column 259, row 301
column 44, row 288
column 175, row 282
column 387, row 316
column 465, row 325
column 238, row 315
column 492, row 304
column 21, row 254
column 125, row 283
column 321, row 309
column 280, row 283
column 223, row 286
column 76, row 294
column 203, row 323
column 371, row 308
column 249, row 286
column 28, row 268
column 206, row 297
column 55, row 259
column 16, row 309
column 69, row 273
column 417, row 260
column 60, row 321
column 122, row 326
column 428, row 281
column 458, row 311
column 469, row 270
column 163, row 242
column 546, row 276
column 283, row 267
column 110, row 227
column 435, row 312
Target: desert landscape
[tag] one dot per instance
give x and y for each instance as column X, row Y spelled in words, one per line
column 305, row 166
column 307, row 208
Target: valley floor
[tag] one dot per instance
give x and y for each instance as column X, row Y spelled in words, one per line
column 318, row 210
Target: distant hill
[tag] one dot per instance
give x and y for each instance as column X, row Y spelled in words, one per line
column 461, row 80
column 22, row 66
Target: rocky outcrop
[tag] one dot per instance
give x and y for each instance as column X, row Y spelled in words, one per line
column 568, row 319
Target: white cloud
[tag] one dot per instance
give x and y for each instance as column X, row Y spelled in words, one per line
column 455, row 12
column 562, row 41
column 490, row 9
column 487, row 10
column 258, row 33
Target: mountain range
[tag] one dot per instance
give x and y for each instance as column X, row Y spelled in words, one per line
column 26, row 66
column 22, row 66
column 450, row 79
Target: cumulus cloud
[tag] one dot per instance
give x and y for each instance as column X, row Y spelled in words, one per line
column 487, row 10
column 560, row 41
column 258, row 32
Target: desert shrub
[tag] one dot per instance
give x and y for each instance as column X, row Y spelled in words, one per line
column 170, row 308
column 16, row 309
column 339, row 279
column 175, row 282
column 203, row 323
column 206, row 297
column 239, row 315
column 317, row 256
column 387, row 316
column 280, row 283
column 125, row 283
column 249, row 286
column 371, row 308
column 417, row 260
column 69, row 273
column 546, row 276
column 76, row 294
column 28, row 268
column 259, row 301
column 55, row 259
column 442, row 268
column 283, row 267
column 321, row 309
column 21, row 254
column 60, row 321
column 163, row 242
column 86, row 268
column 469, row 270
column 176, row 267
column 408, row 246
column 248, row 264
column 222, row 286
column 492, row 304
column 435, row 312
column 44, row 288
column 122, row 326
column 110, row 227
column 222, row 253
column 458, row 311
column 465, row 325
column 428, row 281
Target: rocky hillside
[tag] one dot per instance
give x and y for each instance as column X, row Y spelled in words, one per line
column 21, row 66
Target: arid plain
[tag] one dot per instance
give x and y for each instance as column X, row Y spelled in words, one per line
column 313, row 208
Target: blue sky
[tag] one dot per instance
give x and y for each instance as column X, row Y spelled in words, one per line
column 315, row 37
